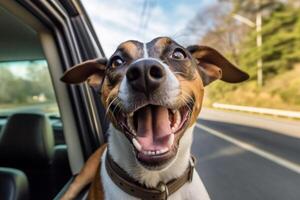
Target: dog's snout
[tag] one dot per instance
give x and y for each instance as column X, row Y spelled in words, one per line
column 146, row 75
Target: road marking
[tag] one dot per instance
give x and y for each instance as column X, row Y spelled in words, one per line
column 267, row 155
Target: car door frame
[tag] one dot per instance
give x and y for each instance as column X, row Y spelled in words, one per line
column 76, row 41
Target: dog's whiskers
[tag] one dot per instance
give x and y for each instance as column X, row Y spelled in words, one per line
column 178, row 73
column 117, row 105
column 191, row 98
column 186, row 98
column 187, row 105
column 110, row 104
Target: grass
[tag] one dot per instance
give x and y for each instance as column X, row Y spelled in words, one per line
column 280, row 92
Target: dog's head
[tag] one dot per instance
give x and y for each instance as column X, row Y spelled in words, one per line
column 154, row 91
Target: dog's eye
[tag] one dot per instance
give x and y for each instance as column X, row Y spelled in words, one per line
column 178, row 54
column 116, row 62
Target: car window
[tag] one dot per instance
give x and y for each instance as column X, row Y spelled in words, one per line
column 26, row 87
column 31, row 131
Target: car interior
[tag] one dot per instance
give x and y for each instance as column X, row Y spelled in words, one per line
column 34, row 160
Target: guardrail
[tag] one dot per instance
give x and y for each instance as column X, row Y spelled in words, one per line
column 268, row 111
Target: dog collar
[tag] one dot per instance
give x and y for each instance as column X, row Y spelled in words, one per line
column 132, row 187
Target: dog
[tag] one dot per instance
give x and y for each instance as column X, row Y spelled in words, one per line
column 153, row 95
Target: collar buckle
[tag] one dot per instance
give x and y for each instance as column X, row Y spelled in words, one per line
column 162, row 187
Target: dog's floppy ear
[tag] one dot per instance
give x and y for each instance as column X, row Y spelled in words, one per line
column 212, row 66
column 91, row 71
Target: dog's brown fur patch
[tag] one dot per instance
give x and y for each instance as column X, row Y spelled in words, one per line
column 192, row 89
column 132, row 48
column 110, row 94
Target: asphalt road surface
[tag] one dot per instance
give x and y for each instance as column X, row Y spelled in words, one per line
column 247, row 157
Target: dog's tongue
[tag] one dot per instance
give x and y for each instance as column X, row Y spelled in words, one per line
column 153, row 127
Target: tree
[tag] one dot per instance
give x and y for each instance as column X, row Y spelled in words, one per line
column 280, row 50
column 16, row 89
column 280, row 47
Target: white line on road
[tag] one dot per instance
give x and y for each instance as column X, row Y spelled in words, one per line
column 267, row 155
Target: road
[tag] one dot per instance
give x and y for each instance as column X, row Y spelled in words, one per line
column 247, row 157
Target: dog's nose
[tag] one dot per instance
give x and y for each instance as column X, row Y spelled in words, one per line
column 146, row 75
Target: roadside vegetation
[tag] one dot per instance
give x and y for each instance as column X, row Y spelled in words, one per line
column 26, row 85
column 280, row 51
column 280, row 92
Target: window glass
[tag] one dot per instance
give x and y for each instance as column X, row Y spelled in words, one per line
column 26, row 87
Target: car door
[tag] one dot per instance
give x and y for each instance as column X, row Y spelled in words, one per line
column 76, row 41
column 68, row 38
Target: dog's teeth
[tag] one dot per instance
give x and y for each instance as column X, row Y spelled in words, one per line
column 174, row 111
column 130, row 125
column 171, row 139
column 150, row 152
column 178, row 117
column 175, row 126
column 155, row 152
column 136, row 144
column 163, row 150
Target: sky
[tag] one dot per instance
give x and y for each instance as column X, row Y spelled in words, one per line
column 20, row 68
column 116, row 21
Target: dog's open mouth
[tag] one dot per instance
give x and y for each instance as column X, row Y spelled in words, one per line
column 155, row 131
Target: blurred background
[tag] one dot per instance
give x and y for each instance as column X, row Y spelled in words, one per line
column 260, row 36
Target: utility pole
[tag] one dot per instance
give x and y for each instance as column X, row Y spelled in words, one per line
column 259, row 44
column 257, row 25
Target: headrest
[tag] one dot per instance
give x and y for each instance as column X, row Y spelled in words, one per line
column 27, row 139
column 13, row 184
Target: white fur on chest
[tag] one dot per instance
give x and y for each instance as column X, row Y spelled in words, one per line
column 121, row 152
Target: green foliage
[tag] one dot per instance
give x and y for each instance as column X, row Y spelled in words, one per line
column 280, row 53
column 281, row 91
column 280, row 47
column 28, row 79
